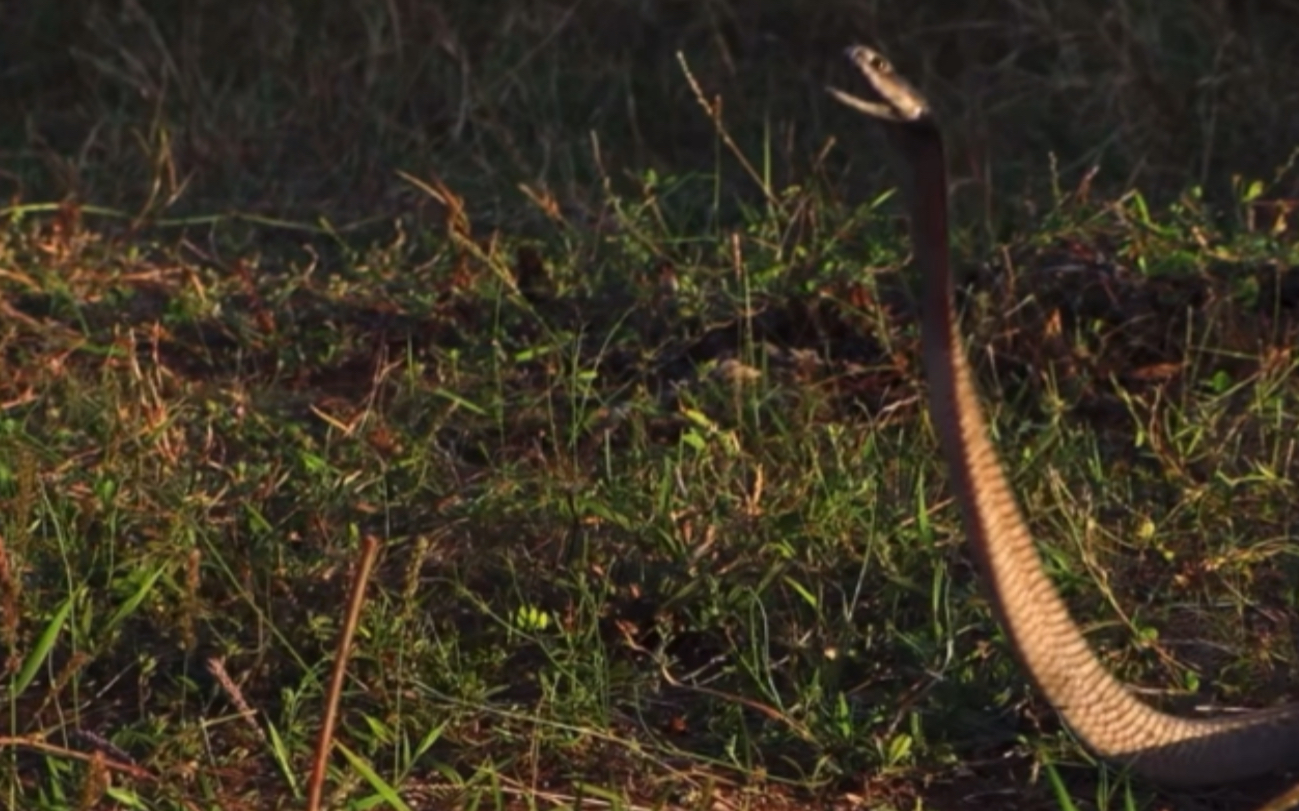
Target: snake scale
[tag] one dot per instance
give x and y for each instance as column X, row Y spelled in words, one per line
column 1116, row 724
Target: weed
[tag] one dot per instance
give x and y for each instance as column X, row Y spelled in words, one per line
column 617, row 364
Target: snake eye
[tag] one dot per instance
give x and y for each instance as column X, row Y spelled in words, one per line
column 880, row 64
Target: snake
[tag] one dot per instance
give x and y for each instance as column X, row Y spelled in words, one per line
column 1107, row 715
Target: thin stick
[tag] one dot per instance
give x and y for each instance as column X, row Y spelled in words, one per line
column 30, row 742
column 369, row 548
column 714, row 112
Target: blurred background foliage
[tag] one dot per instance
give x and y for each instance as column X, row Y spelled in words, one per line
column 310, row 108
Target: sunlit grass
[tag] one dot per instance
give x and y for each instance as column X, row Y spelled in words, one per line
column 642, row 436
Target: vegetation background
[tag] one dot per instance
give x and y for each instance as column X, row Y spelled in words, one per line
column 595, row 314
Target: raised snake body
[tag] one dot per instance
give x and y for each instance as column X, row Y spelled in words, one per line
column 1112, row 721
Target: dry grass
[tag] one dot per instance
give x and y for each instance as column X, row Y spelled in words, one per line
column 626, row 389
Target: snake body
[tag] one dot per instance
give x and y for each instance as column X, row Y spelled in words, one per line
column 1104, row 712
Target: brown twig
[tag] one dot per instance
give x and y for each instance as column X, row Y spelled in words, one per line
column 112, row 764
column 713, row 109
column 369, row 548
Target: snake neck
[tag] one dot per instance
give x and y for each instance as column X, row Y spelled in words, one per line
column 1042, row 633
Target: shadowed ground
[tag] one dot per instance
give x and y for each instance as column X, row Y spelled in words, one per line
column 625, row 379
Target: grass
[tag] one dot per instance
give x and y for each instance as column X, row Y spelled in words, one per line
column 623, row 379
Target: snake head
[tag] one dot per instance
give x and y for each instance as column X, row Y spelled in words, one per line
column 901, row 103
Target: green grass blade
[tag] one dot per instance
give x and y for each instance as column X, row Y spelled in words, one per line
column 281, row 755
column 43, row 646
column 1059, row 789
column 386, row 791
column 133, row 602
